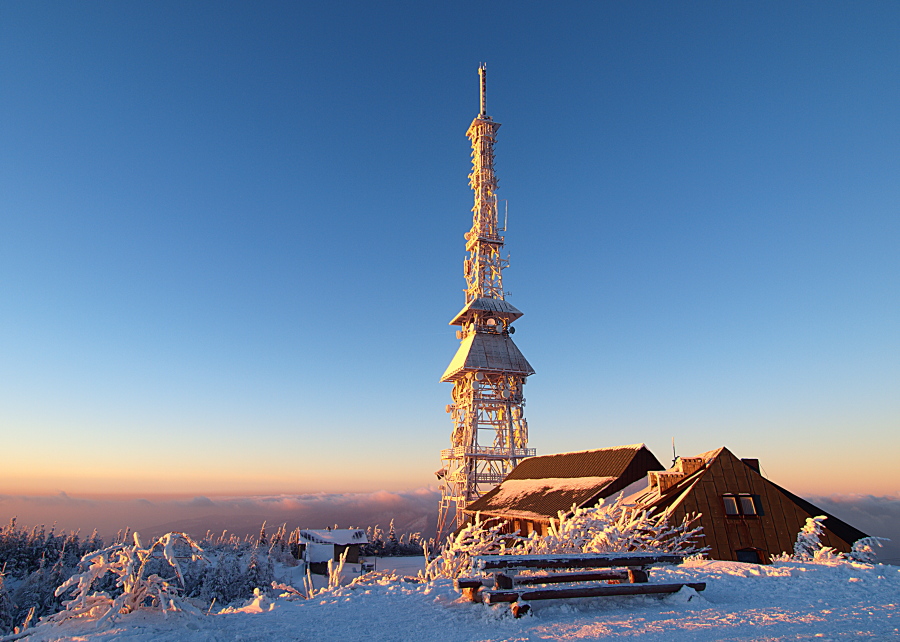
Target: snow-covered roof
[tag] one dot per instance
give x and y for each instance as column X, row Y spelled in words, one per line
column 514, row 489
column 487, row 352
column 339, row 536
column 501, row 308
column 540, row 487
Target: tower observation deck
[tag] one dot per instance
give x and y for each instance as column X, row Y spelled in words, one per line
column 488, row 372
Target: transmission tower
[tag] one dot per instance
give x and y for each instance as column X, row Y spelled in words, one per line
column 490, row 433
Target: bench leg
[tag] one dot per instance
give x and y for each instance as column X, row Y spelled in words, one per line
column 503, row 581
column 472, row 594
column 637, row 576
column 518, row 610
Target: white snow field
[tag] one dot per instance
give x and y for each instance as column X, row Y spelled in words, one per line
column 784, row 601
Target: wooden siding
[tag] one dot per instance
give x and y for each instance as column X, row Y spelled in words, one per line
column 772, row 532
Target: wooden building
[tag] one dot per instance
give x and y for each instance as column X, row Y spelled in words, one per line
column 745, row 517
column 539, row 487
column 317, row 547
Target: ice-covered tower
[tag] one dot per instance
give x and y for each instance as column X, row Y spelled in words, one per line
column 488, row 373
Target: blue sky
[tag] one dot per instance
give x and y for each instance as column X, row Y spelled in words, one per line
column 231, row 236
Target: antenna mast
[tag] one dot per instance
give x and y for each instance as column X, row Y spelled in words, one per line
column 490, row 434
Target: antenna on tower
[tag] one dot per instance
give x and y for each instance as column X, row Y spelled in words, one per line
column 482, row 73
column 674, row 456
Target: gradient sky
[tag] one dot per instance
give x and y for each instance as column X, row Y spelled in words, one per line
column 231, row 236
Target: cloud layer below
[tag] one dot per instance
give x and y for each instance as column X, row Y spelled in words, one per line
column 412, row 510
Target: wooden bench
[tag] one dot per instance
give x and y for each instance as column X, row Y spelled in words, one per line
column 620, row 573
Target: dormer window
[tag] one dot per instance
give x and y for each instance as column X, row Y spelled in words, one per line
column 741, row 505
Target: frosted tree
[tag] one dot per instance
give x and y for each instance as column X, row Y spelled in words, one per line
column 127, row 563
column 864, row 549
column 224, row 581
column 260, row 572
column 7, row 618
column 809, row 540
column 474, row 539
column 615, row 528
column 809, row 547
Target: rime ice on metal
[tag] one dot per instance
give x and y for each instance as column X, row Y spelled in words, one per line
column 490, row 434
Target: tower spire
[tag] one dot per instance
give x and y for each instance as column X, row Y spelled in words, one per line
column 482, row 74
column 490, row 434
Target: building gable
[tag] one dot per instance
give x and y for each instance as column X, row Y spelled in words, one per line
column 741, row 511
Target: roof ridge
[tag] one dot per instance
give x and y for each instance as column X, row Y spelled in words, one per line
column 595, row 450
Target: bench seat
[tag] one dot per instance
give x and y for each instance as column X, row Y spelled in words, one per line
column 493, row 596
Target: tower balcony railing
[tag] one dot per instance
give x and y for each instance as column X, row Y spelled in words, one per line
column 487, row 452
column 489, row 478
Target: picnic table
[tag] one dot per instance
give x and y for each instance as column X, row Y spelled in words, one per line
column 571, row 576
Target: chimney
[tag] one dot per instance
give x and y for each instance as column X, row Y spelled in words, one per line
column 753, row 463
column 688, row 465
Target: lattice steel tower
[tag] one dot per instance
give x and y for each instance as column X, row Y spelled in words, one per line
column 490, row 433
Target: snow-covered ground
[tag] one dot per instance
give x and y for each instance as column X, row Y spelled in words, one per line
column 788, row 601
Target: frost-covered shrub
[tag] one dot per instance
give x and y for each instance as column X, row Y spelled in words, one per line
column 615, row 528
column 383, row 544
column 34, row 562
column 863, row 550
column 809, row 539
column 809, row 547
column 23, row 552
column 6, row 608
column 455, row 559
column 135, row 587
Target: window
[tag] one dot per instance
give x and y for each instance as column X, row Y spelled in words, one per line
column 749, row 555
column 747, row 506
column 741, row 505
column 731, row 505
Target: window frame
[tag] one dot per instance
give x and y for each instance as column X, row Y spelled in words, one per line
column 738, row 502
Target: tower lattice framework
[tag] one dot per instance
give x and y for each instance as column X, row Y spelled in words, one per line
column 490, row 434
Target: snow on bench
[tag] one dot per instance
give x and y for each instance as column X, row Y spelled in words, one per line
column 588, row 560
column 625, row 574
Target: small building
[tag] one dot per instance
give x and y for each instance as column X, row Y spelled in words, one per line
column 317, row 547
column 538, row 488
column 745, row 517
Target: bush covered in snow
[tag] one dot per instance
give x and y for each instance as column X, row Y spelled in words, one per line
column 32, row 564
column 809, row 548
column 455, row 559
column 135, row 586
column 23, row 552
column 613, row 528
column 381, row 544
column 605, row 528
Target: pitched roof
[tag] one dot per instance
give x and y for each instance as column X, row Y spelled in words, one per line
column 837, row 526
column 499, row 307
column 487, row 351
column 606, row 462
column 540, row 487
column 673, row 496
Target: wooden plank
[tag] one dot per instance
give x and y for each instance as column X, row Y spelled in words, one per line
column 714, row 516
column 752, row 532
column 769, row 518
column 499, row 562
column 467, row 582
column 558, row 578
column 497, row 597
column 725, row 483
column 783, row 511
